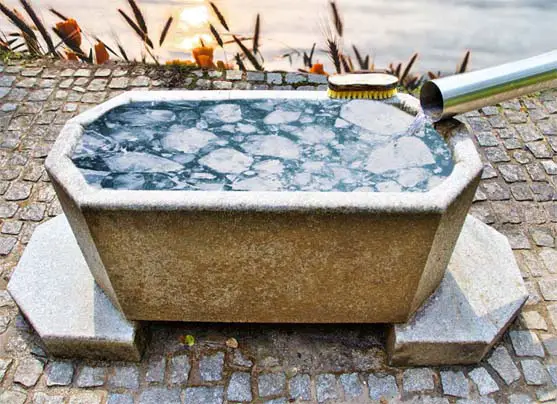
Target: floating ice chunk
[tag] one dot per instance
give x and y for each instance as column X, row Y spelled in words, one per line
column 389, row 186
column 302, row 179
column 210, row 186
column 267, row 105
column 135, row 135
column 258, row 184
column 269, row 166
column 131, row 181
column 201, row 124
column 93, row 177
column 313, row 166
column 341, row 123
column 342, row 173
column 228, row 128
column 412, row 177
column 140, row 162
column 288, row 128
column 161, row 115
column 202, row 176
column 187, row 116
column 246, row 128
column 279, row 117
column 183, row 158
column 272, row 145
column 376, row 116
column 159, row 181
column 405, row 152
column 363, row 189
column 227, row 161
column 228, row 113
column 315, row 134
column 187, row 141
column 93, row 142
column 141, row 117
column 307, row 119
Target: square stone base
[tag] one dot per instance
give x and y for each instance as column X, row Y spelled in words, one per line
column 480, row 295
column 55, row 291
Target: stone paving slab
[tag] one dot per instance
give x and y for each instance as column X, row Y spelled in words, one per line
column 480, row 295
column 56, row 292
column 313, row 359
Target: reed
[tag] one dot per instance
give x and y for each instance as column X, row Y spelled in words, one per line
column 308, row 58
column 164, row 32
column 219, row 15
column 463, row 65
column 216, row 35
column 138, row 16
column 29, row 37
column 58, row 14
column 136, row 29
column 408, row 67
column 337, row 20
column 39, row 24
column 256, row 32
column 248, row 54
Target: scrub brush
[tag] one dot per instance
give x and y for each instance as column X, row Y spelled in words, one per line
column 373, row 86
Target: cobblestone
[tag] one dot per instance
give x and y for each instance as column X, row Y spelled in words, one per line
column 91, row 376
column 455, row 384
column 417, row 380
column 526, row 343
column 483, row 380
column 271, row 384
column 59, row 373
column 179, row 369
column 534, row 372
column 239, row 388
column 326, row 386
column 210, row 367
column 207, row 395
column 125, row 376
column 351, row 386
column 300, row 387
column 155, row 370
column 28, row 372
column 501, row 361
column 120, row 399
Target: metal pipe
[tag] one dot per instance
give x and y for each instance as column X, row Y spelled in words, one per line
column 449, row 96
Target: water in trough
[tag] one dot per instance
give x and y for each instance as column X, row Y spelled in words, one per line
column 263, row 145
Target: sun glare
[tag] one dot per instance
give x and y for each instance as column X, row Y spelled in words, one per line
column 194, row 41
column 195, row 16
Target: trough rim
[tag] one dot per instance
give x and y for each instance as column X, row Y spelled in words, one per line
column 467, row 168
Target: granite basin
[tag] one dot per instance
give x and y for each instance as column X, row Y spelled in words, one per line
column 264, row 256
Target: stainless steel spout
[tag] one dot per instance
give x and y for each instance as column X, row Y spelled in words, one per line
column 445, row 97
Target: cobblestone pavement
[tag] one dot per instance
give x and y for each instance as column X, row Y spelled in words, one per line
column 277, row 364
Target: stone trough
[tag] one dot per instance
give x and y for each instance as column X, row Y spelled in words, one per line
column 303, row 210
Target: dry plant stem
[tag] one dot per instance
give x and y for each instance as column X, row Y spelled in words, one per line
column 137, row 30
column 58, row 14
column 256, row 35
column 249, row 55
column 165, row 30
column 138, row 16
column 40, row 26
column 27, row 32
column 219, row 16
column 216, row 35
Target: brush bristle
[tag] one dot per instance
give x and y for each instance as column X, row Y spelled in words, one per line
column 369, row 95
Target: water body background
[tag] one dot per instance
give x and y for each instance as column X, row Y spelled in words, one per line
column 496, row 31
